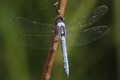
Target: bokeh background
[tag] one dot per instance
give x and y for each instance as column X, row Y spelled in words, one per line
column 96, row 61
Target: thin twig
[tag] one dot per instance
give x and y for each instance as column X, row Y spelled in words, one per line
column 62, row 6
column 53, row 47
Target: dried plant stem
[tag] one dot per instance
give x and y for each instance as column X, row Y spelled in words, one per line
column 53, row 47
column 62, row 6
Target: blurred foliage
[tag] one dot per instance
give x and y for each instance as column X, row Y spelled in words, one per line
column 96, row 61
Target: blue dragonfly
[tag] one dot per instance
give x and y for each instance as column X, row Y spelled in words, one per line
column 77, row 33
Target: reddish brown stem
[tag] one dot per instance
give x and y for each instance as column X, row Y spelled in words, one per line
column 62, row 6
column 53, row 47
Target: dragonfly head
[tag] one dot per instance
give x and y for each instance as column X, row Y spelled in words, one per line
column 59, row 19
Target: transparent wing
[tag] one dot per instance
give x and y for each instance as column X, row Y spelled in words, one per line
column 87, row 36
column 32, row 27
column 91, row 18
column 34, row 34
column 41, row 42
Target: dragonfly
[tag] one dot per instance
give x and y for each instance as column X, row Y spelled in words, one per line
column 77, row 33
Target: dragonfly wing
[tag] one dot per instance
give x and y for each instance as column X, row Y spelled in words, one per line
column 87, row 36
column 32, row 27
column 41, row 42
column 34, row 34
column 91, row 18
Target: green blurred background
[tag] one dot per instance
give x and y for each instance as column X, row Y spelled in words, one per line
column 96, row 61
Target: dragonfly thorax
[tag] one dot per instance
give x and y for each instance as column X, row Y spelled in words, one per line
column 61, row 28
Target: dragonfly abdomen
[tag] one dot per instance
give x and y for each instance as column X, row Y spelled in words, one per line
column 64, row 54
